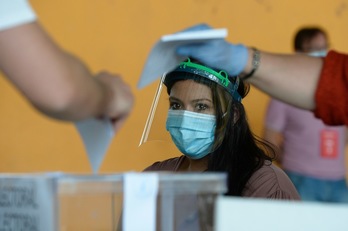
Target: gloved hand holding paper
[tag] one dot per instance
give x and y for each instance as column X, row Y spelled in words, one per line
column 163, row 57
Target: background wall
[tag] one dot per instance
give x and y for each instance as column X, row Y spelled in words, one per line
column 117, row 35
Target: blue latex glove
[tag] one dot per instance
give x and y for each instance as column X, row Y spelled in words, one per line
column 218, row 54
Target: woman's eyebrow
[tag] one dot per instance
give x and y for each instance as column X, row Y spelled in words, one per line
column 174, row 98
column 202, row 99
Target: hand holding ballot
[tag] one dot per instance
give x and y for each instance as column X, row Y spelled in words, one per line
column 300, row 80
column 216, row 53
column 163, row 56
column 120, row 98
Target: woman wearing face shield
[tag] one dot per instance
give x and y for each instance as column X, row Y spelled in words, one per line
column 208, row 124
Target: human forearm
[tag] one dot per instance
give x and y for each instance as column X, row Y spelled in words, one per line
column 290, row 78
column 54, row 81
column 77, row 96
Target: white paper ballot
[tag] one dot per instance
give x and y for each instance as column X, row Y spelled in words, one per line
column 163, row 58
column 97, row 135
column 139, row 203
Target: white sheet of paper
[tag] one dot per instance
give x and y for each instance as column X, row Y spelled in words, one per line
column 163, row 58
column 245, row 214
column 97, row 135
column 139, row 203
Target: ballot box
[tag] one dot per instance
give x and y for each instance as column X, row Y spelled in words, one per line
column 123, row 201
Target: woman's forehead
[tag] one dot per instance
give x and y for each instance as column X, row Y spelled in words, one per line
column 190, row 89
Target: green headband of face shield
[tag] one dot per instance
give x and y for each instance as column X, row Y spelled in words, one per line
column 220, row 78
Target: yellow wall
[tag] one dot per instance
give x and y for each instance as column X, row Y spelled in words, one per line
column 117, row 35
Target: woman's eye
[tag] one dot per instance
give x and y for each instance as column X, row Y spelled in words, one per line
column 201, row 107
column 174, row 106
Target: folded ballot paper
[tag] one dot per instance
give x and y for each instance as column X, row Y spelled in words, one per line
column 96, row 135
column 163, row 58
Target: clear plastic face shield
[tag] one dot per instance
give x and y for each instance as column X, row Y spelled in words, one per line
column 188, row 108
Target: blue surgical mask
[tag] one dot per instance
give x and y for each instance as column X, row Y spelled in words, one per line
column 192, row 133
column 321, row 53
